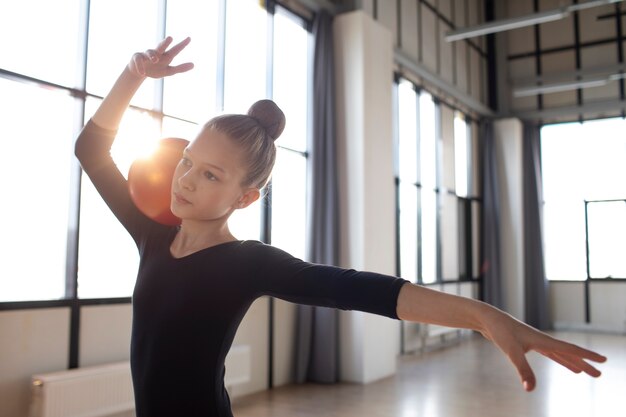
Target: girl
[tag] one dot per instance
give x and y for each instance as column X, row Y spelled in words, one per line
column 196, row 281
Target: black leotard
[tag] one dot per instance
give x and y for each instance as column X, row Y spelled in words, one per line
column 186, row 310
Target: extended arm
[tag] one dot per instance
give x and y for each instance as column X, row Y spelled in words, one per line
column 511, row 336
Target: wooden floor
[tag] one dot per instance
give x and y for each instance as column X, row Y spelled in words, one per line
column 470, row 378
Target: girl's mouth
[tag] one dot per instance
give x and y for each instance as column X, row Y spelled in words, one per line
column 180, row 199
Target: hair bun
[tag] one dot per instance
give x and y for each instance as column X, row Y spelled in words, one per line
column 269, row 116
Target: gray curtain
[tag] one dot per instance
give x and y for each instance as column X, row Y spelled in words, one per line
column 317, row 350
column 535, row 283
column 492, row 284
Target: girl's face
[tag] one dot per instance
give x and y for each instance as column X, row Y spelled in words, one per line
column 207, row 180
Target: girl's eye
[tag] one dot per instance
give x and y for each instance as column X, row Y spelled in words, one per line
column 210, row 176
column 185, row 161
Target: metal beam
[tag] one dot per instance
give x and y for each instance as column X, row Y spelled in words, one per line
column 405, row 62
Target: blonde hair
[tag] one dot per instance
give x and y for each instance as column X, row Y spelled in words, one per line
column 254, row 133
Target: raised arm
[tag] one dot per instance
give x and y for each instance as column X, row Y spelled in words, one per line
column 511, row 336
column 154, row 63
column 94, row 143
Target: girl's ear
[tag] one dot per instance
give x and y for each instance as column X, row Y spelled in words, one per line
column 248, row 197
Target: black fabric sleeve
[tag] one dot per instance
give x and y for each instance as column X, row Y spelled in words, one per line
column 93, row 149
column 294, row 280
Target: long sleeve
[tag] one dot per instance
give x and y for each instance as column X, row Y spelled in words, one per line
column 294, row 280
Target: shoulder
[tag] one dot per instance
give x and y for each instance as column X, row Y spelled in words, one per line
column 263, row 250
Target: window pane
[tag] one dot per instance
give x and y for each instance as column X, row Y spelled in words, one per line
column 450, row 237
column 102, row 237
column 428, row 141
column 245, row 72
column 407, row 132
column 245, row 224
column 474, row 186
column 35, row 169
column 461, row 155
column 607, row 239
column 291, row 79
column 41, row 39
column 289, row 203
column 118, row 29
column 176, row 128
column 429, row 236
column 191, row 95
column 447, row 149
column 408, row 231
column 564, row 240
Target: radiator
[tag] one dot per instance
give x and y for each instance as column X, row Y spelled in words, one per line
column 84, row 392
column 99, row 391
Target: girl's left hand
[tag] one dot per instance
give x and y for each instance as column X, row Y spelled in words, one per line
column 515, row 339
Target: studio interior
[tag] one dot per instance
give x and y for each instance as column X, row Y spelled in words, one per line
column 474, row 147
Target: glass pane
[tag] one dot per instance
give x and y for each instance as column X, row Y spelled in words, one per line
column 176, row 128
column 429, row 236
column 428, row 141
column 450, row 237
column 245, row 224
column 291, row 79
column 408, row 231
column 607, row 239
column 474, row 186
column 289, row 207
column 107, row 255
column 447, row 149
column 245, row 72
column 35, row 169
column 564, row 240
column 461, row 155
column 603, row 152
column 41, row 39
column 191, row 95
column 407, row 132
column 118, row 29
column 100, row 232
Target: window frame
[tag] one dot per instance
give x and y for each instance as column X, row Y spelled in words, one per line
column 81, row 95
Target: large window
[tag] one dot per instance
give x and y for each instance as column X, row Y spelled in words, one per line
column 584, row 199
column 437, row 194
column 60, row 239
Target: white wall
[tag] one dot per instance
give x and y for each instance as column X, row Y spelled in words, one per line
column 607, row 301
column 31, row 341
column 364, row 68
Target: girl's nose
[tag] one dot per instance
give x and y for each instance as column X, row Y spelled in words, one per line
column 186, row 181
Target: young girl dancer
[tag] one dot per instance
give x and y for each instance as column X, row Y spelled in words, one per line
column 196, row 281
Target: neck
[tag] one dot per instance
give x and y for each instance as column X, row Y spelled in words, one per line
column 198, row 235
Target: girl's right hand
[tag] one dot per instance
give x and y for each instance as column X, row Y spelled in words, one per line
column 155, row 63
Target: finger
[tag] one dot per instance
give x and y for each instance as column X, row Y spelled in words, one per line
column 164, row 44
column 176, row 69
column 175, row 50
column 523, row 369
column 573, row 350
column 152, row 55
column 564, row 362
column 581, row 365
